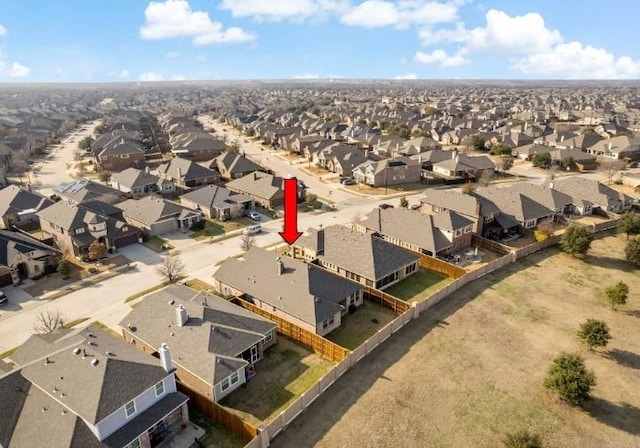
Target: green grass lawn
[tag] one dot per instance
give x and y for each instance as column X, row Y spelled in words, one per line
column 360, row 326
column 419, row 286
column 216, row 435
column 286, row 371
column 218, row 228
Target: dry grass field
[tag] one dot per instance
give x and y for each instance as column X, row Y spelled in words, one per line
column 471, row 369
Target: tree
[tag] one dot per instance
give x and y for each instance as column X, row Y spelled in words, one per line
column 104, row 176
column 569, row 378
column 48, row 321
column 630, row 223
column 234, row 147
column 404, row 203
column 99, row 130
column 475, row 142
column 64, row 269
column 567, row 162
column 610, row 168
column 617, row 294
column 246, row 242
column 506, row 162
column 595, row 333
column 522, row 439
column 500, row 149
column 97, row 250
column 542, row 160
column 85, row 143
column 576, row 240
column 171, row 268
column 632, row 251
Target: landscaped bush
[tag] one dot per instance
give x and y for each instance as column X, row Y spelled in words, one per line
column 198, row 226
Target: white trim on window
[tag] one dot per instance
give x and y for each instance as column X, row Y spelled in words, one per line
column 130, row 408
column 159, row 388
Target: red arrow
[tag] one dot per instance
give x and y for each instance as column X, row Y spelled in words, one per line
column 290, row 234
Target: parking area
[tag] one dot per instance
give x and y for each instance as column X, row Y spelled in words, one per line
column 18, row 300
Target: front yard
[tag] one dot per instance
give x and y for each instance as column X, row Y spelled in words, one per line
column 157, row 244
column 214, row 228
column 286, row 371
column 361, row 325
column 79, row 271
column 419, row 286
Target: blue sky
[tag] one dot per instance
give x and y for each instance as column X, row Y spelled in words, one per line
column 139, row 40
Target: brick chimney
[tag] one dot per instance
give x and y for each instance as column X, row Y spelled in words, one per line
column 165, row 358
column 320, row 241
column 279, row 266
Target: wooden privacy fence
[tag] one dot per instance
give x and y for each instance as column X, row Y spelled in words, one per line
column 312, row 341
column 487, row 244
column 434, row 264
column 386, row 300
column 219, row 414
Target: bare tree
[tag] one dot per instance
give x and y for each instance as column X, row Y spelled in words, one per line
column 485, row 178
column 246, row 242
column 18, row 163
column 171, row 268
column 609, row 168
column 48, row 321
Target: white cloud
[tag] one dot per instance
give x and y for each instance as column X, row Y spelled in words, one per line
column 277, row 10
column 123, row 74
column 378, row 13
column 172, row 55
column 407, row 76
column 307, row 76
column 17, row 70
column 3, row 30
column 175, row 18
column 178, row 78
column 441, row 58
column 458, row 34
column 150, row 76
column 518, row 34
column 575, row 60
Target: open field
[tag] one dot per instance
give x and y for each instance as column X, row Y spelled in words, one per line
column 419, row 285
column 471, row 369
column 286, row 371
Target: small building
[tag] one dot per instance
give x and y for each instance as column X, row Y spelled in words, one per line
column 187, row 174
column 138, row 183
column 156, row 215
column 265, row 189
column 388, row 172
column 232, row 166
column 20, row 207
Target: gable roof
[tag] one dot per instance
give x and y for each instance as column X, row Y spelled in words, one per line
column 133, row 177
column 360, row 253
column 511, row 202
column 85, row 190
column 185, row 170
column 151, row 209
column 590, row 190
column 212, row 196
column 452, row 200
column 14, row 199
column 234, row 163
column 258, row 184
column 11, row 242
column 216, row 332
column 312, row 294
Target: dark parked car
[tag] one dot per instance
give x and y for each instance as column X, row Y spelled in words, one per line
column 3, row 298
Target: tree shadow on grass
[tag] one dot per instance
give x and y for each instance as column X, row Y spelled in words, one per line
column 633, row 313
column 622, row 416
column 610, row 263
column 625, row 358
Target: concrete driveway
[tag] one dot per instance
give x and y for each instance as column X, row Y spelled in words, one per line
column 19, row 301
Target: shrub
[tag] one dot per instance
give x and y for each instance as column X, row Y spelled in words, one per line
column 569, row 378
column 199, row 225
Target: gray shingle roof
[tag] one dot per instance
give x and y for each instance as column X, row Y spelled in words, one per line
column 511, row 202
column 590, row 190
column 14, row 199
column 85, row 190
column 133, row 178
column 360, row 253
column 302, row 290
column 213, row 196
column 185, row 170
column 234, row 163
column 258, row 184
column 452, row 200
column 150, row 209
column 215, row 327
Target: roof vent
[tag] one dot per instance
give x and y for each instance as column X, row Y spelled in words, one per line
column 92, row 343
column 171, row 302
column 64, row 412
column 44, row 409
column 110, row 354
column 94, row 362
column 55, row 390
column 46, row 361
column 91, row 335
column 77, row 351
column 172, row 334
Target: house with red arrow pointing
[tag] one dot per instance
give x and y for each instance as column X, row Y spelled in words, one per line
column 301, row 293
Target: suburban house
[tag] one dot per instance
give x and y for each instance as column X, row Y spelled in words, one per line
column 232, row 166
column 340, row 159
column 358, row 256
column 83, row 190
column 313, row 298
column 23, row 257
column 462, row 166
column 19, row 207
column 437, row 201
column 196, row 145
column 120, row 154
column 581, row 160
column 138, row 183
column 265, row 189
column 517, row 211
column 388, row 172
column 217, row 202
column 435, row 235
column 156, row 215
column 88, row 389
column 186, row 174
column 215, row 344
column 589, row 196
column 74, row 227
column 617, row 148
column 528, row 152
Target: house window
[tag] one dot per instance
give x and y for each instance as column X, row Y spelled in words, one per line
column 130, row 408
column 134, row 444
column 467, row 229
column 225, row 384
column 79, row 230
column 159, row 388
column 268, row 338
column 530, row 223
column 235, row 378
column 331, row 321
column 325, row 323
column 411, row 268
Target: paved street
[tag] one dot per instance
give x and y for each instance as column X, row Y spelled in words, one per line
column 54, row 170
